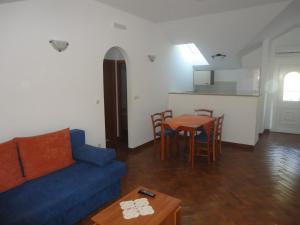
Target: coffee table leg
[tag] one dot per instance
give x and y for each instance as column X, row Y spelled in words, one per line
column 174, row 218
column 178, row 216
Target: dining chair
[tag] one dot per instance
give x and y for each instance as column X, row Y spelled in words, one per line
column 204, row 140
column 213, row 138
column 167, row 114
column 204, row 112
column 156, row 119
column 218, row 133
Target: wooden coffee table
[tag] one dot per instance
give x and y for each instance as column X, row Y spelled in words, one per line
column 167, row 211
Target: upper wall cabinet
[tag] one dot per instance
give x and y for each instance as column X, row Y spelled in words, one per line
column 203, row 77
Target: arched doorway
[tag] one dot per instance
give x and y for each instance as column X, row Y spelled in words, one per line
column 115, row 98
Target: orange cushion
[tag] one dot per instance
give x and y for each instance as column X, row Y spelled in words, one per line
column 46, row 153
column 10, row 169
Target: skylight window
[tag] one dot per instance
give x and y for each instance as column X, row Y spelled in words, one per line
column 193, row 55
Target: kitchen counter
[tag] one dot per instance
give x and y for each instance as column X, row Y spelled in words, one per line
column 206, row 92
column 241, row 121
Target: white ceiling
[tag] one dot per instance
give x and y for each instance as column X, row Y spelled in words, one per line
column 287, row 20
column 167, row 10
column 215, row 26
column 226, row 32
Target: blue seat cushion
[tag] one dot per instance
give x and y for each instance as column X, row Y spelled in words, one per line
column 168, row 132
column 94, row 155
column 202, row 137
column 39, row 201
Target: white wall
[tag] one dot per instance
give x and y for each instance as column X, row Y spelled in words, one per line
column 247, row 80
column 227, row 75
column 181, row 78
column 287, row 41
column 240, row 113
column 42, row 90
column 253, row 59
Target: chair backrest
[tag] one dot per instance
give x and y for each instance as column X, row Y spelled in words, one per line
column 204, row 112
column 167, row 114
column 156, row 123
column 219, row 127
column 208, row 129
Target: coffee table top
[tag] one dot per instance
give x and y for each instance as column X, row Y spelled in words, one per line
column 162, row 204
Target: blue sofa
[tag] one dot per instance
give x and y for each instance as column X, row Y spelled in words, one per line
column 68, row 195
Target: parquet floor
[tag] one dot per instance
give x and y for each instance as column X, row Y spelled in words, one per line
column 244, row 187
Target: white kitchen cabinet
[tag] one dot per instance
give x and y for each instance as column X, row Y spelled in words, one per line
column 202, row 77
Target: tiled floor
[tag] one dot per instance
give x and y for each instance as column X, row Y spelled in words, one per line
column 259, row 187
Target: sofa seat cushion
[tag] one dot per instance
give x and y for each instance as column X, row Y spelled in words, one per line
column 46, row 153
column 10, row 169
column 94, row 155
column 39, row 201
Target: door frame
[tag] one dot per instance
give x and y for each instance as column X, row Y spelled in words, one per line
column 129, row 90
column 278, row 76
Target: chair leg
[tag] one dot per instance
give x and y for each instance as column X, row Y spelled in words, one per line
column 176, row 143
column 156, row 146
column 190, row 150
column 173, row 141
column 208, row 153
column 168, row 147
column 192, row 138
column 214, row 146
column 186, row 138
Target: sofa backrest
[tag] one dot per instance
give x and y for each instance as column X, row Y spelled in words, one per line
column 45, row 153
column 77, row 138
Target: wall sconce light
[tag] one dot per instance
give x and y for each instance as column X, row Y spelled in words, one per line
column 218, row 56
column 151, row 58
column 59, row 45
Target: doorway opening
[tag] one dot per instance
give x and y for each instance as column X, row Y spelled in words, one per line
column 286, row 107
column 115, row 98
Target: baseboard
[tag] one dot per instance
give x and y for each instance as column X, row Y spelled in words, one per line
column 142, row 146
column 237, row 145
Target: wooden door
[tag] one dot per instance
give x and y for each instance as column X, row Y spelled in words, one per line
column 109, row 85
column 286, row 106
column 122, row 100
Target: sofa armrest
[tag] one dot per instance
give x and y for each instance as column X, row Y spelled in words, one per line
column 77, row 138
column 94, row 155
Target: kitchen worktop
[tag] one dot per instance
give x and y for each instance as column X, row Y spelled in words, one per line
column 227, row 93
